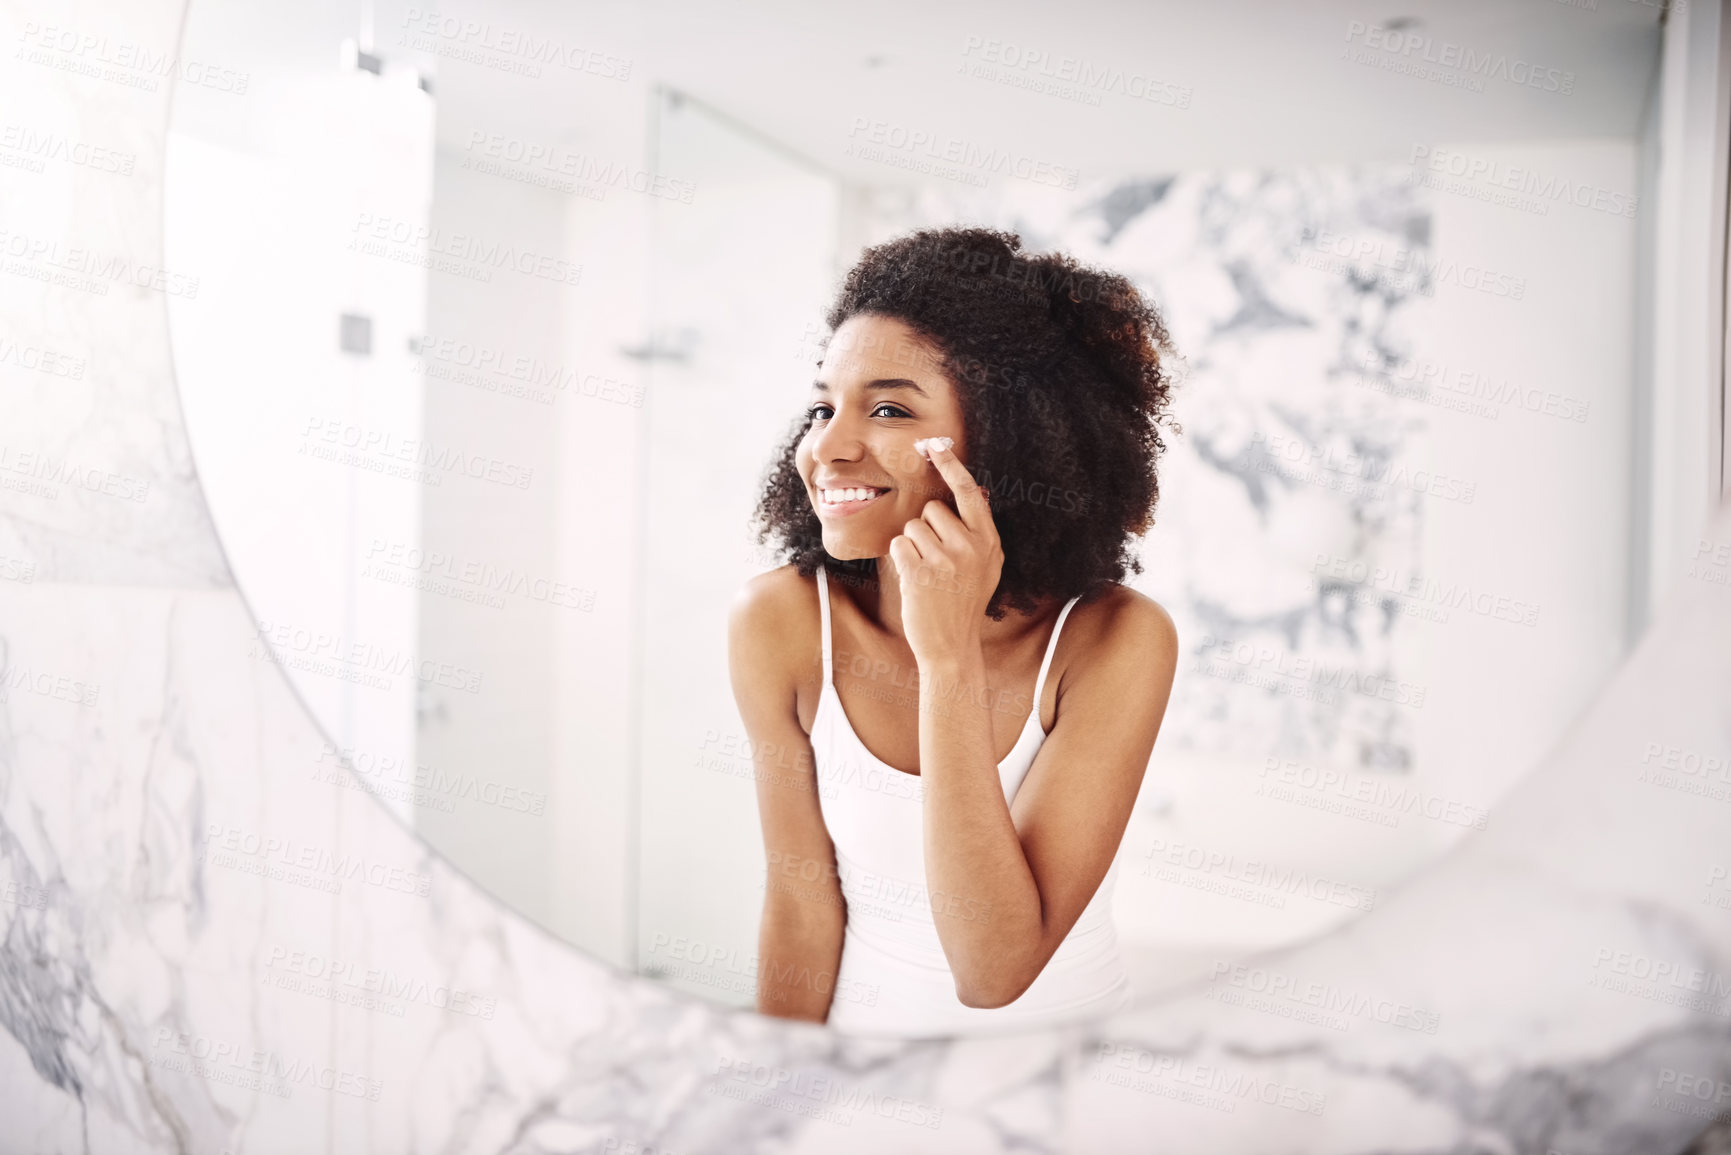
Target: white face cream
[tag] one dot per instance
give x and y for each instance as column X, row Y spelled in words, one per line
column 922, row 445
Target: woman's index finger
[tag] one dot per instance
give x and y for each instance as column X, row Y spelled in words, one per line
column 971, row 504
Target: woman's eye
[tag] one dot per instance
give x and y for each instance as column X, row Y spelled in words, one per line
column 822, row 412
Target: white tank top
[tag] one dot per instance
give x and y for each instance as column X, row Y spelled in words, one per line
column 894, row 978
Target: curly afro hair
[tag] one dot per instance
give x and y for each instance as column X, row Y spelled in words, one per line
column 1058, row 371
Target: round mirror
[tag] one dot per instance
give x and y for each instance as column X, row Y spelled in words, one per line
column 506, row 314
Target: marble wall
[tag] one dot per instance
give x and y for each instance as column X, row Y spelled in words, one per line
column 212, row 939
column 1289, row 420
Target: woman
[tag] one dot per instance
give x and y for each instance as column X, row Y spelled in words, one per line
column 951, row 697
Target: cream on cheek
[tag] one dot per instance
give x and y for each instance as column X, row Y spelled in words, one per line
column 923, row 481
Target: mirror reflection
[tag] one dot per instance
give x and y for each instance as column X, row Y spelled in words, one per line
column 564, row 384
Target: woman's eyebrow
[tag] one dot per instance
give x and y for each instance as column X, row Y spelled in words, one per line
column 880, row 383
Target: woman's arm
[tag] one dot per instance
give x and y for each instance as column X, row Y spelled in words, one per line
column 804, row 913
column 1008, row 882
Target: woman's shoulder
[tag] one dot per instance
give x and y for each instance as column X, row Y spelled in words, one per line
column 1120, row 616
column 773, row 595
column 774, row 647
column 779, row 608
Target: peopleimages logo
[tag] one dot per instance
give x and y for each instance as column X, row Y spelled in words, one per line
column 1276, row 987
column 36, row 147
column 1412, row 269
column 473, row 40
column 415, row 242
column 1283, row 779
column 885, row 142
column 715, row 964
column 810, row 1088
column 15, row 677
column 40, row 359
column 1072, row 77
column 86, row 270
column 220, row 1060
column 557, row 160
column 326, row 977
column 385, row 559
column 1169, row 860
column 539, row 379
column 388, row 445
column 1264, row 658
column 1392, row 583
column 286, row 639
column 429, row 784
column 1130, row 1066
column 1545, row 187
column 228, row 845
column 120, row 61
column 50, row 472
column 1680, row 984
column 1463, row 387
column 1476, row 63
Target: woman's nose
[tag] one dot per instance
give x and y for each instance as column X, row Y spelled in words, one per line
column 837, row 440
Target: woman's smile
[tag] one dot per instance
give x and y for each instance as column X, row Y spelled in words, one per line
column 842, row 500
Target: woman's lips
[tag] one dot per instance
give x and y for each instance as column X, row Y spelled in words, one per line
column 847, row 501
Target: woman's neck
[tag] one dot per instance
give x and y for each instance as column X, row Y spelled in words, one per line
column 881, row 602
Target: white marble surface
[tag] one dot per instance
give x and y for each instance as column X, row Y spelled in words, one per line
column 165, row 816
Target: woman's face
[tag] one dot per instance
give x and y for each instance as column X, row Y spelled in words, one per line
column 878, row 390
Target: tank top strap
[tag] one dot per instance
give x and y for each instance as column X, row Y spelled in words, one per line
column 1051, row 648
column 823, row 612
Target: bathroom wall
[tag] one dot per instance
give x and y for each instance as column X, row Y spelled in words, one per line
column 738, row 278
column 531, row 578
column 500, row 733
column 293, row 345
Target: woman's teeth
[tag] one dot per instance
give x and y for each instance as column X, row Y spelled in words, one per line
column 837, row 496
